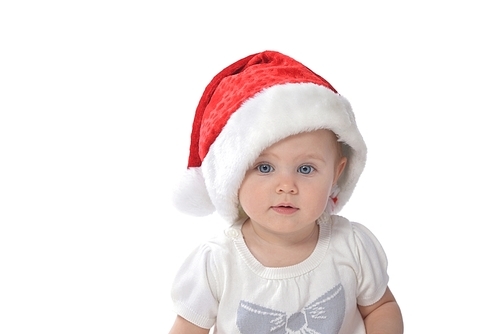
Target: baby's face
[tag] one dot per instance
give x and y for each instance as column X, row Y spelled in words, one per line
column 289, row 184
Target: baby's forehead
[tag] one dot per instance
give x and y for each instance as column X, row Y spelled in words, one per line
column 321, row 139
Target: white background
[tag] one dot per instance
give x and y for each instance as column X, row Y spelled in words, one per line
column 96, row 104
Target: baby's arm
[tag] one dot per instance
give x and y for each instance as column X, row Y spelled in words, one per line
column 182, row 326
column 383, row 317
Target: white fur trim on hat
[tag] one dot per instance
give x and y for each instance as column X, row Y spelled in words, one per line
column 195, row 200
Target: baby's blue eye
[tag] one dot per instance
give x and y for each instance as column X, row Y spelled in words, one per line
column 265, row 168
column 306, row 169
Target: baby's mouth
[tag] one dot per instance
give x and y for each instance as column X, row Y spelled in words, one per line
column 285, row 209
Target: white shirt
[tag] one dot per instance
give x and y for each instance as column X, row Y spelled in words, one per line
column 221, row 284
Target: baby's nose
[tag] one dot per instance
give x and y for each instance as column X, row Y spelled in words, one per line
column 287, row 185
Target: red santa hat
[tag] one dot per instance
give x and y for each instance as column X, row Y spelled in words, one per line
column 247, row 107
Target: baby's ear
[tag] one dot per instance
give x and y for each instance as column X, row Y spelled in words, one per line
column 339, row 168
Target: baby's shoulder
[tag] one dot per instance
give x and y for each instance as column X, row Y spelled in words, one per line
column 351, row 234
column 343, row 227
column 215, row 247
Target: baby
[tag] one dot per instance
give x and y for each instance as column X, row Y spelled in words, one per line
column 276, row 151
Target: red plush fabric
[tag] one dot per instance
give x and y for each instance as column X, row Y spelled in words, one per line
column 238, row 82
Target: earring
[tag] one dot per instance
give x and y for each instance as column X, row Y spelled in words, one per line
column 332, row 200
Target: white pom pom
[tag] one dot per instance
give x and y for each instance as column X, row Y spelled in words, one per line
column 190, row 194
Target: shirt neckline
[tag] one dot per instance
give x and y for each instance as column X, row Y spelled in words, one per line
column 301, row 268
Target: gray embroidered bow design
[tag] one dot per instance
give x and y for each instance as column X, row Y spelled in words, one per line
column 322, row 316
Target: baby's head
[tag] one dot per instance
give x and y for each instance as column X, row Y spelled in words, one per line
column 295, row 176
column 249, row 106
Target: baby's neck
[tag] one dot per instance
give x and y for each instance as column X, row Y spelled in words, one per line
column 280, row 250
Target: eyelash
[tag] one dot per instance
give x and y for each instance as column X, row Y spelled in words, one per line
column 259, row 168
column 311, row 169
column 271, row 169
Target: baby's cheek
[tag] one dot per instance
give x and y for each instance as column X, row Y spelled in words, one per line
column 320, row 198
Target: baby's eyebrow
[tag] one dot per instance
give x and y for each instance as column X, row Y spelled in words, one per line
column 307, row 156
column 267, row 154
column 313, row 157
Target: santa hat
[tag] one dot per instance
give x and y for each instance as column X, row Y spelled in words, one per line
column 247, row 107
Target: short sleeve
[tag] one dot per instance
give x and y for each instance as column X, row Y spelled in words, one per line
column 194, row 289
column 372, row 275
